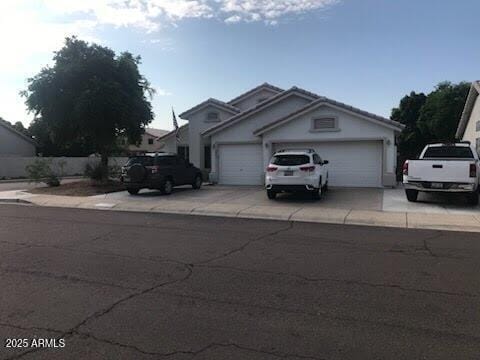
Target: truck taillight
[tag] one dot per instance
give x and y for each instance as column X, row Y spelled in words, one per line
column 473, row 170
column 405, row 167
column 272, row 168
column 307, row 168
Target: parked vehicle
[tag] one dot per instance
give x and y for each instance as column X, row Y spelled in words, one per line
column 296, row 171
column 448, row 168
column 160, row 171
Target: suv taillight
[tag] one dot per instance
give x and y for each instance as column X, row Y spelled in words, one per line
column 155, row 169
column 307, row 168
column 405, row 167
column 473, row 170
column 272, row 168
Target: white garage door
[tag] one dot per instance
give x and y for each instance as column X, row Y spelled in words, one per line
column 353, row 163
column 240, row 164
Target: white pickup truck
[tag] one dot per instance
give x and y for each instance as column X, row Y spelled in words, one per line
column 451, row 168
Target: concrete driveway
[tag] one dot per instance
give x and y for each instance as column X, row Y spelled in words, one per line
column 337, row 198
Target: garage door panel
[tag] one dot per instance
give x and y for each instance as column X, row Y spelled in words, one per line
column 241, row 164
column 355, row 163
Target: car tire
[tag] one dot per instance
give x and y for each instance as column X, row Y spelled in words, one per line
column 197, row 182
column 316, row 194
column 325, row 187
column 133, row 191
column 167, row 187
column 412, row 195
column 472, row 198
column 271, row 194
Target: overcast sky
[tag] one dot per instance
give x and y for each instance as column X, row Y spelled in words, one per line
column 367, row 53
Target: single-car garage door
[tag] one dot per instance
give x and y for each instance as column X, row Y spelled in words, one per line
column 240, row 164
column 351, row 163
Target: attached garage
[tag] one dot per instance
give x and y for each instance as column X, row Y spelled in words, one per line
column 240, row 164
column 351, row 163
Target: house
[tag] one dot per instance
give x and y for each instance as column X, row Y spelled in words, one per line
column 235, row 140
column 469, row 125
column 148, row 143
column 15, row 143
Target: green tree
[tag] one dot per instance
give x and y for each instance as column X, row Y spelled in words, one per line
column 88, row 98
column 411, row 140
column 442, row 110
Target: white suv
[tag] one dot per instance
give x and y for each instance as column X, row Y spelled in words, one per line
column 296, row 170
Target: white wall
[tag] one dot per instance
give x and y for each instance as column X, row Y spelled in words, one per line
column 471, row 134
column 13, row 144
column 252, row 100
column 243, row 131
column 350, row 126
column 170, row 144
column 197, row 123
column 14, row 167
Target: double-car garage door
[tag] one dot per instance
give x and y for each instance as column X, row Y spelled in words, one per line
column 352, row 163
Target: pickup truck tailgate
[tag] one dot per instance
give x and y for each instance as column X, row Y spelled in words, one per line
column 440, row 170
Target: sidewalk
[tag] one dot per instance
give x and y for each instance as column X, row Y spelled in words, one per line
column 308, row 212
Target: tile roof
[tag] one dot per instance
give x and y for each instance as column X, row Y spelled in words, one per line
column 213, row 101
column 9, row 126
column 251, row 91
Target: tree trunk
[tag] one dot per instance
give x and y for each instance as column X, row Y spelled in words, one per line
column 104, row 162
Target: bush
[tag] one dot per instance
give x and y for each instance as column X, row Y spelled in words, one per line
column 42, row 170
column 97, row 171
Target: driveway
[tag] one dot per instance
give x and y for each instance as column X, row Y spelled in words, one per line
column 337, row 198
column 119, row 285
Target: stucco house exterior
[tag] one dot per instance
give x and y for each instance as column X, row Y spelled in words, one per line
column 235, row 140
column 14, row 143
column 469, row 125
column 149, row 142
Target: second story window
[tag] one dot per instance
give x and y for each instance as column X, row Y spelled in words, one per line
column 212, row 116
column 150, row 141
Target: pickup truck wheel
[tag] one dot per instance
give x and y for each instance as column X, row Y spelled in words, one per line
column 411, row 195
column 271, row 194
column 197, row 183
column 133, row 191
column 167, row 187
column 473, row 198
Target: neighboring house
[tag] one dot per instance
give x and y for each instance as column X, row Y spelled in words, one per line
column 235, row 140
column 469, row 125
column 149, row 142
column 15, row 143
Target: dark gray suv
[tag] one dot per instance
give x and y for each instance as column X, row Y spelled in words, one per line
column 161, row 171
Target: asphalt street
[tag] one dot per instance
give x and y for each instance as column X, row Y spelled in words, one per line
column 118, row 285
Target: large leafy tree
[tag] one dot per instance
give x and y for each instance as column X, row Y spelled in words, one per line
column 442, row 110
column 87, row 99
column 429, row 118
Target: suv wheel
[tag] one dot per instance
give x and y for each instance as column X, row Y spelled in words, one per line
column 133, row 191
column 167, row 187
column 271, row 194
column 197, row 183
column 316, row 194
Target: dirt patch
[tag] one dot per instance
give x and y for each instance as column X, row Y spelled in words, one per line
column 81, row 188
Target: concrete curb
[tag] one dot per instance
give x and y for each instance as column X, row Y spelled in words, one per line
column 15, row 201
column 401, row 220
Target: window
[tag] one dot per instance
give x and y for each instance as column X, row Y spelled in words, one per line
column 165, row 160
column 207, row 157
column 150, row 141
column 324, row 124
column 212, row 117
column 477, row 126
column 448, row 152
column 144, row 160
column 183, row 152
column 290, row 160
column 477, row 145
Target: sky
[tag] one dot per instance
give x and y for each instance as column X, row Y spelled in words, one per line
column 366, row 53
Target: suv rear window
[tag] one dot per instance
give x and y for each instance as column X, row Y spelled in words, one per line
column 290, row 160
column 144, row 160
column 448, row 152
column 165, row 160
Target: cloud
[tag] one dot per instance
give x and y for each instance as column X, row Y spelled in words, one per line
column 162, row 92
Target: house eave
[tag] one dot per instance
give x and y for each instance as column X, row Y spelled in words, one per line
column 467, row 110
column 210, row 102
